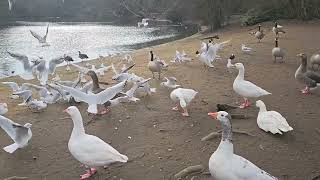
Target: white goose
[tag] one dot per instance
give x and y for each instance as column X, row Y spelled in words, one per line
column 246, row 89
column 182, row 97
column 224, row 164
column 88, row 149
column 271, row 121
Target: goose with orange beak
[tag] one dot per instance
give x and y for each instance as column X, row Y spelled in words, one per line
column 224, row 164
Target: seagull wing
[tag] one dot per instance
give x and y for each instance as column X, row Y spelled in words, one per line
column 26, row 95
column 22, row 58
column 99, row 98
column 14, row 86
column 9, row 127
column 53, row 64
column 45, row 36
column 43, row 91
column 37, row 36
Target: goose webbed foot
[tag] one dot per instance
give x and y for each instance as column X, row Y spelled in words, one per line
column 185, row 113
column 305, row 91
column 245, row 104
column 90, row 172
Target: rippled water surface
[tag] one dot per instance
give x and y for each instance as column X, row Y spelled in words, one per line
column 93, row 39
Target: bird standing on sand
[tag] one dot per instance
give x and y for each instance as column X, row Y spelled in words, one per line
column 155, row 66
column 224, row 164
column 182, row 97
column 277, row 29
column 18, row 133
column 88, row 149
column 304, row 76
column 259, row 34
column 278, row 52
column 246, row 89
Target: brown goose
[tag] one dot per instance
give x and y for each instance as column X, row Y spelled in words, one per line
column 277, row 52
column 155, row 65
column 259, row 34
column 309, row 78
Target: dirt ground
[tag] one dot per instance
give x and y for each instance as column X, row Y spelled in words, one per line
column 162, row 141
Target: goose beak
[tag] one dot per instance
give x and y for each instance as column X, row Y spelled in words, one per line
column 213, row 115
column 65, row 111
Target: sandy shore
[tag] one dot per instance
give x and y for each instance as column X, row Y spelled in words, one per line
column 162, row 142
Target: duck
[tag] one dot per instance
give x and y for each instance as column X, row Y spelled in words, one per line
column 246, row 89
column 224, row 164
column 277, row 52
column 3, row 108
column 306, row 77
column 182, row 97
column 170, row 83
column 88, row 149
column 271, row 121
column 82, row 56
column 155, row 66
column 277, row 29
column 259, row 34
column 315, row 60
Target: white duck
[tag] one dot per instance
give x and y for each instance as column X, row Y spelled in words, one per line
column 182, row 97
column 18, row 133
column 88, row 149
column 224, row 164
column 271, row 121
column 170, row 83
column 3, row 108
column 246, row 89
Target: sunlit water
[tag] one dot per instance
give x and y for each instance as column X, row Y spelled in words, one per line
column 93, row 39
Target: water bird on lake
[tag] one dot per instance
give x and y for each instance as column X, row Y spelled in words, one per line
column 42, row 40
column 224, row 164
column 271, row 121
column 18, row 133
column 309, row 78
column 246, row 89
column 88, row 149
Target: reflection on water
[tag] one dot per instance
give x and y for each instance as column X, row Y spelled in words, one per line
column 94, row 39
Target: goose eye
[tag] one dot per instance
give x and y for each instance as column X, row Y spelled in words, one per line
column 222, row 115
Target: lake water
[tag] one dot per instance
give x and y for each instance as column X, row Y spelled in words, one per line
column 93, row 39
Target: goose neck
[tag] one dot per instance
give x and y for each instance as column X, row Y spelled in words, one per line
column 240, row 74
column 78, row 128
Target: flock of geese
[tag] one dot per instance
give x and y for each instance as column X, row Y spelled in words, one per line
column 93, row 152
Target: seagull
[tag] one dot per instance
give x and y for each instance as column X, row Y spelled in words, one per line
column 45, row 68
column 181, row 57
column 170, row 83
column 95, row 99
column 245, row 49
column 82, row 56
column 27, row 65
column 128, row 59
column 11, row 3
column 88, row 149
column 33, row 104
column 210, row 55
column 18, row 133
column 229, row 64
column 48, row 97
column 3, row 108
column 15, row 88
column 101, row 71
column 42, row 40
column 123, row 74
